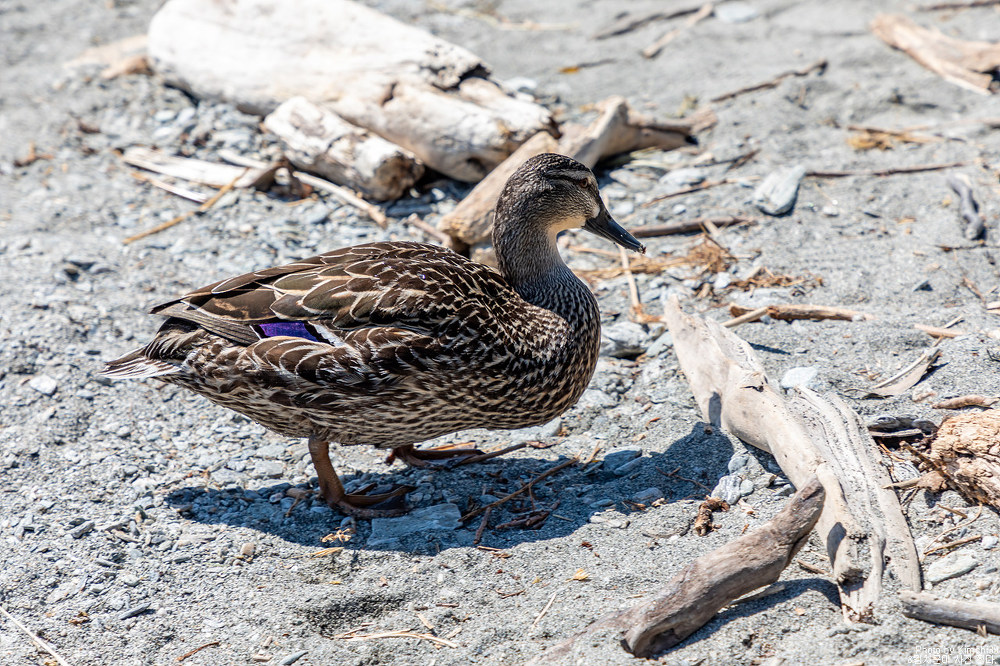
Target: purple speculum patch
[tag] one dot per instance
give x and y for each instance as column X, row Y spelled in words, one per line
column 295, row 329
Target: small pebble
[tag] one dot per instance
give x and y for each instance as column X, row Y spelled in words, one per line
column 43, row 384
column 600, row 504
column 271, row 469
column 798, row 377
column 618, row 458
column 735, row 12
column 292, row 658
column 738, row 462
column 628, row 467
column 81, row 529
column 777, row 192
column 989, row 542
column 729, row 488
column 950, row 566
column 135, row 610
column 647, row 496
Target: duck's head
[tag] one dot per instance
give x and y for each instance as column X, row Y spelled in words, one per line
column 549, row 193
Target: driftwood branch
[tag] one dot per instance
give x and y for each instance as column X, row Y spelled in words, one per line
column 819, row 65
column 980, row 616
column 708, row 583
column 862, row 522
column 964, row 63
column 792, row 311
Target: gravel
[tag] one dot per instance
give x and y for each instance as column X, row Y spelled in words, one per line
column 127, row 508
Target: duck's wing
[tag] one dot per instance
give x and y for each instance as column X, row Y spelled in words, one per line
column 414, row 287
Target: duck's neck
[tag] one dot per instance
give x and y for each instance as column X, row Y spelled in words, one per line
column 532, row 266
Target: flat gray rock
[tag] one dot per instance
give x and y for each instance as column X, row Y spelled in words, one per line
column 440, row 517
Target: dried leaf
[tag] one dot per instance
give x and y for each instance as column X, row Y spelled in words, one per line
column 580, row 575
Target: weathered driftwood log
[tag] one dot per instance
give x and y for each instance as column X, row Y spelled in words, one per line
column 715, row 579
column 416, row 90
column 862, row 522
column 965, row 455
column 319, row 141
column 618, row 129
column 975, row 615
column 964, row 63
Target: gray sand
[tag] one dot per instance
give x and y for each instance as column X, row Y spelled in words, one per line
column 139, row 522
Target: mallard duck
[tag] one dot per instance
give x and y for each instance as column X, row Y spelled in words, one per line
column 390, row 344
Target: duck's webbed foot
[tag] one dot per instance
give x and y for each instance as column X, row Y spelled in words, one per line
column 445, row 457
column 440, row 457
column 358, row 504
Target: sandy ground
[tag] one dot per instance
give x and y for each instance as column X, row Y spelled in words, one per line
column 138, row 523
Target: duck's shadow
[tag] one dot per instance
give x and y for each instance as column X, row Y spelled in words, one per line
column 688, row 468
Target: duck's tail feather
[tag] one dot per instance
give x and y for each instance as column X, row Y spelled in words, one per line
column 136, row 365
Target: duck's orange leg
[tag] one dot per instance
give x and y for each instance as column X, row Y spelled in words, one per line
column 358, row 505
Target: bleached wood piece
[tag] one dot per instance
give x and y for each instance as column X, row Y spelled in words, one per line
column 321, row 142
column 967, row 64
column 195, row 170
column 974, row 615
column 704, row 586
column 862, row 521
column 418, row 91
column 966, row 453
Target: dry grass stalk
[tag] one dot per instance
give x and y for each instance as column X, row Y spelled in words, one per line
column 819, row 65
column 354, row 636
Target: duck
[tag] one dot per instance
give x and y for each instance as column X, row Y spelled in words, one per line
column 389, row 344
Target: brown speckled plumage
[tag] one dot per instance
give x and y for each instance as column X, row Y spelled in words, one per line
column 412, row 341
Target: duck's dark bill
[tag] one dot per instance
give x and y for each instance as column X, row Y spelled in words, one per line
column 604, row 226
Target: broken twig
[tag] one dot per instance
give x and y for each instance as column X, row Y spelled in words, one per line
column 654, row 49
column 547, row 473
column 819, row 65
column 967, row 401
column 183, row 216
column 689, row 226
